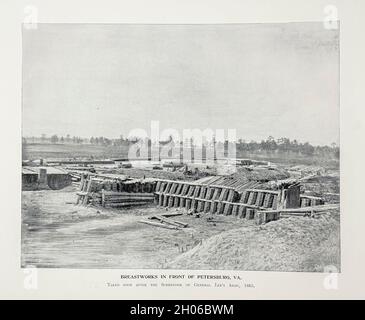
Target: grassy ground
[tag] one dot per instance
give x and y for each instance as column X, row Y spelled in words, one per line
column 37, row 151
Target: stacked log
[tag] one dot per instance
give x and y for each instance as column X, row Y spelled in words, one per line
column 114, row 192
column 124, row 199
column 306, row 201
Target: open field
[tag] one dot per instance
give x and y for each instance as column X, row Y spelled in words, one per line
column 37, row 151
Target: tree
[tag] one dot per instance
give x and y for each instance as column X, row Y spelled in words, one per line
column 54, row 138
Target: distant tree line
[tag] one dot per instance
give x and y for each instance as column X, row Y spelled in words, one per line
column 270, row 145
column 285, row 145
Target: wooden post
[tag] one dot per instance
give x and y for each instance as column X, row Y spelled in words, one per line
column 176, row 201
column 213, row 206
column 235, row 210
column 250, row 213
column 241, row 211
column 207, row 205
column 42, row 178
column 289, row 198
column 182, row 202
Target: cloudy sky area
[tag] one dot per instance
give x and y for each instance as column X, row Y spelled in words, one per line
column 105, row 80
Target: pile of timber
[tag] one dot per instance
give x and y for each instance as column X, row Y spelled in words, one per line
column 312, row 211
column 165, row 222
column 306, row 211
column 75, row 178
column 114, row 192
column 308, row 201
column 124, row 199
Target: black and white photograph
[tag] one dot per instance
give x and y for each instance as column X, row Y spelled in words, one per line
column 181, row 146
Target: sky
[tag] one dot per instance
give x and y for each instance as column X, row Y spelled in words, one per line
column 279, row 80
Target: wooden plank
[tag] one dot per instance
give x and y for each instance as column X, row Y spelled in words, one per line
column 176, row 202
column 262, row 190
column 182, row 202
column 188, row 204
column 250, row 214
column 245, row 196
column 158, row 185
column 197, row 191
column 111, row 194
column 209, row 194
column 185, row 189
column 227, row 209
column 165, row 200
column 168, row 221
column 168, row 187
column 200, row 206
column 191, row 191
column 213, row 207
column 234, row 210
column 194, row 204
column 165, row 220
column 207, row 205
column 223, row 195
column 163, row 187
column 203, row 192
column 86, row 197
column 275, row 201
column 160, row 200
column 231, row 195
column 126, row 204
column 173, row 188
column 220, row 207
column 179, row 189
column 320, row 208
column 161, row 225
column 171, row 214
column 266, row 200
column 241, row 211
column 250, row 197
column 171, row 201
column 126, row 200
column 216, row 194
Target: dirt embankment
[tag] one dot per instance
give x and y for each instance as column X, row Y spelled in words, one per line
column 292, row 244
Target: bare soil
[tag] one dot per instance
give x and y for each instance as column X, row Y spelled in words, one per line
column 57, row 233
column 300, row 244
